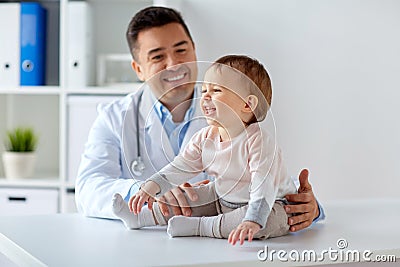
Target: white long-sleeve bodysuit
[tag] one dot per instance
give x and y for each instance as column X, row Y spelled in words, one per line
column 249, row 169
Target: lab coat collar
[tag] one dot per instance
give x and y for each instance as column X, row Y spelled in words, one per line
column 150, row 106
column 152, row 122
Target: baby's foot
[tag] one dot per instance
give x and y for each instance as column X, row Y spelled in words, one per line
column 183, row 226
column 194, row 226
column 118, row 204
column 121, row 210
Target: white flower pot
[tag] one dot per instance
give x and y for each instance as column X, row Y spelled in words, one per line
column 19, row 164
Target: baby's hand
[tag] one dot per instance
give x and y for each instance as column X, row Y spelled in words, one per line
column 244, row 229
column 145, row 194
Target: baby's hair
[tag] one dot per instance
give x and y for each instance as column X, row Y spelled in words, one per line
column 259, row 81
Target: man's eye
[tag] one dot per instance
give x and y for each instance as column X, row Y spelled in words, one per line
column 157, row 58
column 181, row 51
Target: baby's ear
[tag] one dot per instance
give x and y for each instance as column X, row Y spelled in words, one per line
column 251, row 103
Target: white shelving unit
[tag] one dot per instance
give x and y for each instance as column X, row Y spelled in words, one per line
column 46, row 109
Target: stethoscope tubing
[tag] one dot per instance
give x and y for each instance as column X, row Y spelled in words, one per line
column 137, row 165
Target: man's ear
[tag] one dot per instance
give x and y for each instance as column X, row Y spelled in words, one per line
column 138, row 69
column 251, row 103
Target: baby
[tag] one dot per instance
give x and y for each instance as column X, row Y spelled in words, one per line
column 245, row 200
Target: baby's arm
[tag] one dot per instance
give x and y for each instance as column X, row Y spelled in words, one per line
column 186, row 165
column 165, row 180
column 246, row 229
column 145, row 194
column 254, row 220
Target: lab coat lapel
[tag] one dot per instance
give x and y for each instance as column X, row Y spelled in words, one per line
column 128, row 136
column 157, row 142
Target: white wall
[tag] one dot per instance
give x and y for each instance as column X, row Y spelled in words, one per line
column 335, row 66
column 110, row 22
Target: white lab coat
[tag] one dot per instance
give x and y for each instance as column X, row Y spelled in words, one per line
column 112, row 146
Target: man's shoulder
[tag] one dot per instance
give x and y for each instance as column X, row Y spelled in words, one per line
column 114, row 112
column 118, row 105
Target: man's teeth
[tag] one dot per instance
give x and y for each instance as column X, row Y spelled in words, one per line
column 173, row 79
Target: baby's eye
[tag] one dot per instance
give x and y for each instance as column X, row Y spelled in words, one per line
column 204, row 88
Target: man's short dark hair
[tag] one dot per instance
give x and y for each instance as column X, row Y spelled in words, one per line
column 151, row 17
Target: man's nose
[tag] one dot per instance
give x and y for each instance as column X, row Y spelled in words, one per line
column 172, row 63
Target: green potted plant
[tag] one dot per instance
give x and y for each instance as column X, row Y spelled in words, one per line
column 19, row 158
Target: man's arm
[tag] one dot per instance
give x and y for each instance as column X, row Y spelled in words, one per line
column 100, row 171
column 177, row 199
column 306, row 208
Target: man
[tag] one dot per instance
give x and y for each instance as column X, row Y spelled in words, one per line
column 150, row 126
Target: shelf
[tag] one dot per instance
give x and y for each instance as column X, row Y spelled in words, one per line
column 47, row 108
column 90, row 90
column 51, row 182
column 107, row 90
column 121, row 1
column 32, row 90
column 70, row 186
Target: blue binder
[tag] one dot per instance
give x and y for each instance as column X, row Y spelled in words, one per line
column 33, row 44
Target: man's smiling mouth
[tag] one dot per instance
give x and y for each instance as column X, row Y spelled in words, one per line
column 175, row 78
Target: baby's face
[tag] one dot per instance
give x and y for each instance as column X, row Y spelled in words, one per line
column 223, row 97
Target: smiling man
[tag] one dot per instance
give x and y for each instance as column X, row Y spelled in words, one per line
column 147, row 129
column 159, row 53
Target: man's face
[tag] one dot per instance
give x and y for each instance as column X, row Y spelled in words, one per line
column 160, row 56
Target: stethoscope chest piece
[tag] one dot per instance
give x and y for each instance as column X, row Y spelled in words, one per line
column 138, row 167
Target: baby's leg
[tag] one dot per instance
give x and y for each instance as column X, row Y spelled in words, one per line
column 131, row 221
column 205, row 205
column 221, row 225
column 192, row 226
column 277, row 222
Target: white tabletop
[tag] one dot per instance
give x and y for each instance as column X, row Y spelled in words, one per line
column 74, row 240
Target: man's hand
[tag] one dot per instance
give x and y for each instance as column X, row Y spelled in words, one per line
column 244, row 230
column 306, row 207
column 176, row 199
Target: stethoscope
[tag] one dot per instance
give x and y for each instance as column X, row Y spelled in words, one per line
column 137, row 165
